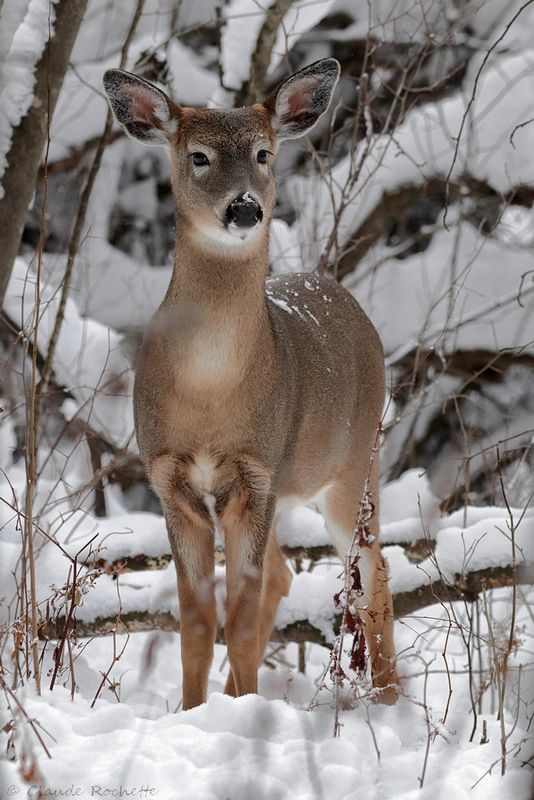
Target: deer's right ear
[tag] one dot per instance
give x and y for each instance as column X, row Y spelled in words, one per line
column 145, row 112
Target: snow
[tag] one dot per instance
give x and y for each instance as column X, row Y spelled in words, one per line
column 407, row 499
column 488, row 19
column 406, row 21
column 487, row 543
column 275, row 745
column 285, row 251
column 290, row 304
column 81, row 108
column 139, row 199
column 88, row 356
column 281, row 303
column 398, row 20
column 311, row 598
column 459, row 549
column 109, row 286
column 243, row 22
column 301, row 17
column 105, row 26
column 485, row 309
column 301, row 526
column 238, row 40
column 190, row 82
column 407, row 508
column 118, row 536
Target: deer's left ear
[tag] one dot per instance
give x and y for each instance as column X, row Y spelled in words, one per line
column 300, row 101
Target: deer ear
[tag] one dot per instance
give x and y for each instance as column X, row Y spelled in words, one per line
column 145, row 112
column 300, row 101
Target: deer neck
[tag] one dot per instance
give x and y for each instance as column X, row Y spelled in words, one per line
column 220, row 297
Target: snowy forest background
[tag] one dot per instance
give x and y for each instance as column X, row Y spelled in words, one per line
column 416, row 191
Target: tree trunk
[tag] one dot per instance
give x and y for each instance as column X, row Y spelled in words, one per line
column 29, row 137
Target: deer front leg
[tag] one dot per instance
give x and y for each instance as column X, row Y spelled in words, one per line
column 192, row 548
column 191, row 537
column 246, row 524
column 276, row 582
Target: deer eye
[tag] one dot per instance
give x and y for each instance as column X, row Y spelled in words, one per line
column 200, row 160
column 261, row 158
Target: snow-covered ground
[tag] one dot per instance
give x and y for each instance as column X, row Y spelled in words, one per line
column 136, row 740
column 278, row 745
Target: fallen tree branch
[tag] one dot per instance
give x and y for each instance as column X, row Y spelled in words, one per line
column 465, row 587
column 416, row 551
column 395, row 213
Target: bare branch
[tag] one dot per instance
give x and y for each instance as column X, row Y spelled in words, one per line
column 261, row 57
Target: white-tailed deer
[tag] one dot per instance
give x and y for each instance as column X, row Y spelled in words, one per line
column 250, row 394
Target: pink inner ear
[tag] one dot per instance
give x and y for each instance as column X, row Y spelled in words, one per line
column 299, row 97
column 146, row 106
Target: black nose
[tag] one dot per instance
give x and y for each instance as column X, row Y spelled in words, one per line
column 244, row 212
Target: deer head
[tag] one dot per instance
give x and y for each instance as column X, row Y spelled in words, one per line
column 222, row 161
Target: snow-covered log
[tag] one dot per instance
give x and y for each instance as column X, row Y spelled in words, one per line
column 465, row 587
column 127, row 579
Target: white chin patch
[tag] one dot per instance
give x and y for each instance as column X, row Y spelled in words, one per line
column 241, row 233
column 232, row 237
